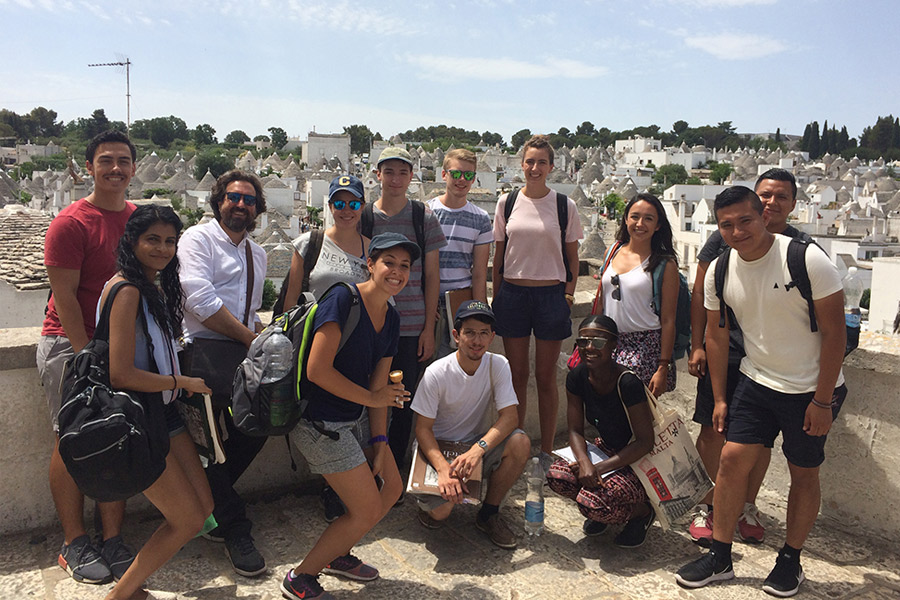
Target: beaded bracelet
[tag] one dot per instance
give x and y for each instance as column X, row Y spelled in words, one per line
column 378, row 438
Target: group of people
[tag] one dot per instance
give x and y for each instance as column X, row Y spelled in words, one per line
column 398, row 259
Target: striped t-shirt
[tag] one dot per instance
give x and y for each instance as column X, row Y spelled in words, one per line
column 464, row 229
column 410, row 302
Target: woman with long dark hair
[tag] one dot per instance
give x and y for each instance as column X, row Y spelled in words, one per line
column 646, row 332
column 147, row 262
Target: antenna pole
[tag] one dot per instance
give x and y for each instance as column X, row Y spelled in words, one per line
column 127, row 64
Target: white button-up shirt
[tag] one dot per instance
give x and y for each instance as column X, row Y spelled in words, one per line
column 214, row 274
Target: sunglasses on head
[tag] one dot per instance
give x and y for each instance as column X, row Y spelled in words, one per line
column 597, row 343
column 616, row 293
column 467, row 175
column 353, row 204
column 235, row 197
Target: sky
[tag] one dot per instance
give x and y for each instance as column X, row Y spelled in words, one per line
column 488, row 65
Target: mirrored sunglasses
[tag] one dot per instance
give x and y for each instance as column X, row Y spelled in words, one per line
column 341, row 204
column 235, row 197
column 467, row 175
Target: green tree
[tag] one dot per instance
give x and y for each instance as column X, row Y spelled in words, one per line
column 236, row 137
column 667, row 175
column 586, row 128
column 158, row 192
column 279, row 137
column 493, row 139
column 214, row 161
column 360, row 138
column 815, row 141
column 679, row 127
column 269, row 295
column 614, row 204
column 42, row 122
column 204, row 135
column 519, row 138
column 313, row 213
column 778, row 135
column 262, row 138
column 719, row 172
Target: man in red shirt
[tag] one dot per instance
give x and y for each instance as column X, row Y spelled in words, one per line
column 80, row 256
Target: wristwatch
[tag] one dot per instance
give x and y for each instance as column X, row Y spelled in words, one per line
column 483, row 444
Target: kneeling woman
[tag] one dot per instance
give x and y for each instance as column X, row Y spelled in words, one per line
column 147, row 254
column 340, row 440
column 601, row 390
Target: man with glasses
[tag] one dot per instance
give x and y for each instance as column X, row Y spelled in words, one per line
column 222, row 274
column 455, row 395
column 463, row 261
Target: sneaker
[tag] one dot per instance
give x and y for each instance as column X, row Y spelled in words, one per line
column 635, row 531
column 118, row 556
column 214, row 535
column 332, row 504
column 352, row 568
column 497, row 529
column 785, row 579
column 83, row 562
column 303, row 586
column 427, row 520
column 749, row 526
column 701, row 525
column 245, row 558
column 698, row 573
column 591, row 528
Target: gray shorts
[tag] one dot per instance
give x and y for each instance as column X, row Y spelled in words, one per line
column 52, row 353
column 489, row 464
column 325, row 455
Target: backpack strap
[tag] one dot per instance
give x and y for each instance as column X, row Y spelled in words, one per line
column 610, row 253
column 101, row 331
column 656, row 281
column 352, row 316
column 721, row 270
column 311, row 256
column 796, row 262
column 507, row 212
column 367, row 227
column 367, row 220
column 562, row 215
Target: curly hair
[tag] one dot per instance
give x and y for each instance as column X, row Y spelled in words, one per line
column 165, row 301
column 661, row 245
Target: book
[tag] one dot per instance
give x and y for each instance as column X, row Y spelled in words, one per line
column 452, row 301
column 596, row 455
column 197, row 413
column 423, row 478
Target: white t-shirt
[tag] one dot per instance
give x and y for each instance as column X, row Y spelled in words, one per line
column 458, row 401
column 782, row 352
column 334, row 265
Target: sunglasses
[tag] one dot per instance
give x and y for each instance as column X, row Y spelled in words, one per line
column 341, row 204
column 616, row 293
column 235, row 198
column 597, row 343
column 467, row 175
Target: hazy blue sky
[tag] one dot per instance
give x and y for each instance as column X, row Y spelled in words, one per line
column 497, row 65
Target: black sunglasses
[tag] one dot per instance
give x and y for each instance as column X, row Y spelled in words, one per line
column 467, row 175
column 598, row 343
column 616, row 293
column 235, row 197
column 340, row 204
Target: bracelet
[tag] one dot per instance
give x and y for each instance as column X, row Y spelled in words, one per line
column 664, row 361
column 377, row 438
column 570, row 298
column 174, row 383
column 820, row 404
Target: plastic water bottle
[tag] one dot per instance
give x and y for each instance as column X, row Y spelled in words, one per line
column 853, row 289
column 534, row 499
column 279, row 352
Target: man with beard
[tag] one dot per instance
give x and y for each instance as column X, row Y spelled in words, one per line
column 455, row 395
column 222, row 274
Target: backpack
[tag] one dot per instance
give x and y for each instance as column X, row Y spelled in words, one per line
column 310, row 257
column 113, row 443
column 367, row 227
column 796, row 262
column 562, row 215
column 252, row 400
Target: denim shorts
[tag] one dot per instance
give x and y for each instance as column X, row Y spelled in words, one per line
column 758, row 413
column 519, row 310
column 326, row 455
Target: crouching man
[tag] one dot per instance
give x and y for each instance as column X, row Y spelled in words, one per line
column 452, row 401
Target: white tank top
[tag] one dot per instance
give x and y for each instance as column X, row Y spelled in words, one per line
column 632, row 311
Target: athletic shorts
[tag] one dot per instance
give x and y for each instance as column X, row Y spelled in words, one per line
column 705, row 403
column 519, row 310
column 757, row 414
column 325, row 455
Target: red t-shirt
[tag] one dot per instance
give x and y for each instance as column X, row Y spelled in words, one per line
column 84, row 237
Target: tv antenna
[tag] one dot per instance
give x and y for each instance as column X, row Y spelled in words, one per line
column 127, row 64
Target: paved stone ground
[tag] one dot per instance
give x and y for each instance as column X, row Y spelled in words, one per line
column 458, row 561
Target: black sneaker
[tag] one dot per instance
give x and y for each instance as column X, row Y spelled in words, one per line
column 785, row 579
column 702, row 571
column 591, row 528
column 214, row 535
column 245, row 558
column 303, row 586
column 83, row 562
column 635, row 531
column 332, row 504
column 118, row 556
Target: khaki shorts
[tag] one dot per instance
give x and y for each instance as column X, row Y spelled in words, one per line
column 52, row 353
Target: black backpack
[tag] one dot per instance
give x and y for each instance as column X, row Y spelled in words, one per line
column 367, row 227
column 562, row 215
column 796, row 262
column 310, row 258
column 113, row 443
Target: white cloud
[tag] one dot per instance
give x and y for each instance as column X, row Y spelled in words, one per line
column 455, row 68
column 347, row 17
column 736, row 46
column 724, row 3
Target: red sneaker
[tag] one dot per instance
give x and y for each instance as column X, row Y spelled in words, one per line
column 749, row 526
column 701, row 528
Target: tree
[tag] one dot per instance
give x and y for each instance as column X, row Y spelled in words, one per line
column 204, row 135
column 586, row 128
column 614, row 204
column 679, row 127
column 492, row 139
column 720, row 171
column 360, row 138
column 42, row 123
column 814, row 141
column 262, row 138
column 213, row 161
column 667, row 175
column 279, row 137
column 236, row 137
column 519, row 138
column 778, row 135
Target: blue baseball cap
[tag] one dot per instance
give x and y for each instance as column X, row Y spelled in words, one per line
column 383, row 241
column 349, row 183
column 473, row 308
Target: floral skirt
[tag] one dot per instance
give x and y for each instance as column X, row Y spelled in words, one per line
column 639, row 351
